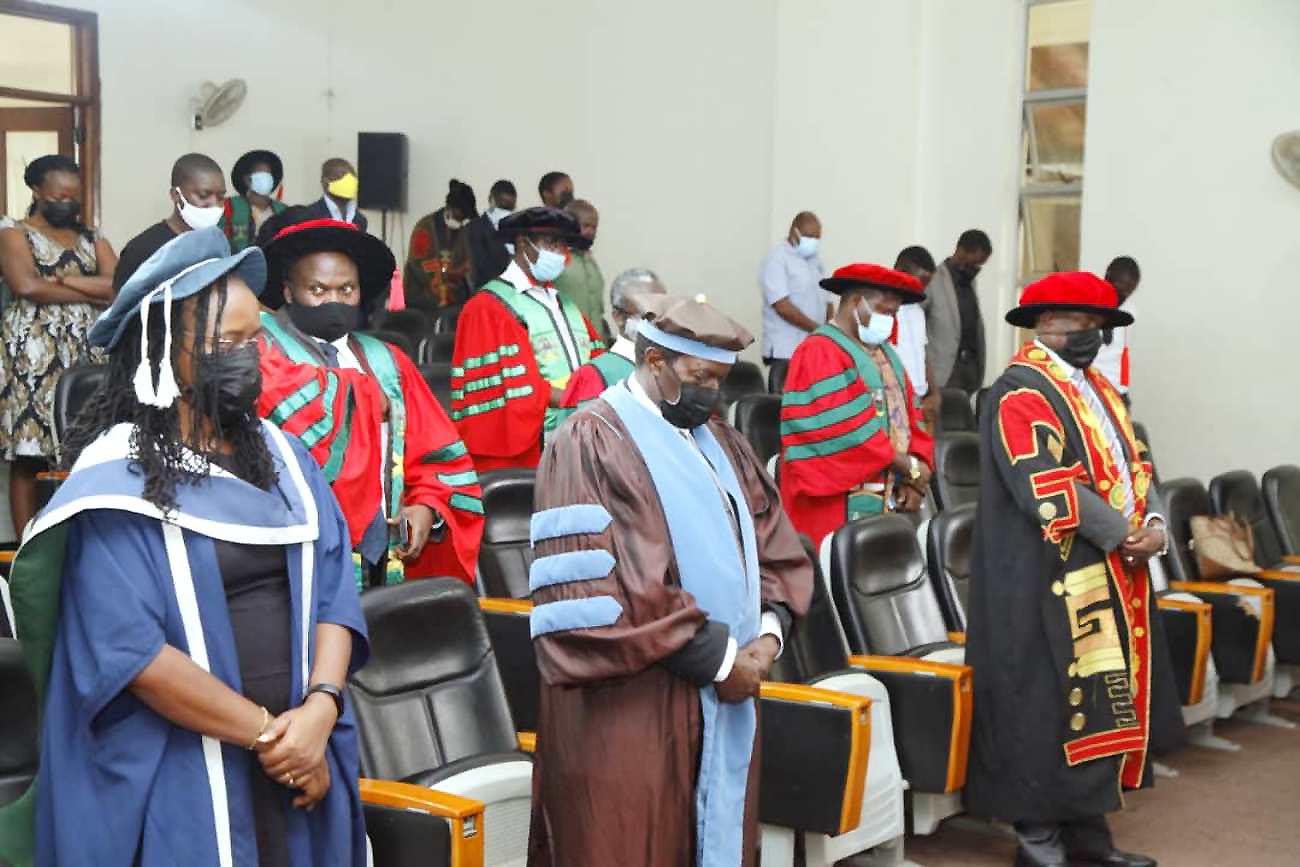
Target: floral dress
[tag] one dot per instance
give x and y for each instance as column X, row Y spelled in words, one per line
column 40, row 341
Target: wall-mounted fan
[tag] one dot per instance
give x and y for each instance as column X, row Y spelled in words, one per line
column 1286, row 156
column 217, row 103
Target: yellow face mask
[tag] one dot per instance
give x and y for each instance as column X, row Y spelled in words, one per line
column 345, row 187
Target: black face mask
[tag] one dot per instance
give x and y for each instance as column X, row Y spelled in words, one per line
column 693, row 407
column 229, row 384
column 328, row 321
column 965, row 274
column 61, row 214
column 1081, row 348
column 565, row 199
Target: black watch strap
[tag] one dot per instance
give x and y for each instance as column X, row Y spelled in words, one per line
column 332, row 691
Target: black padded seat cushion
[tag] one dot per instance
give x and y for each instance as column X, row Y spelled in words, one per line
column 1237, row 493
column 405, row 838
column 800, row 787
column 758, row 418
column 1282, row 497
column 506, row 553
column 956, row 480
column 949, row 543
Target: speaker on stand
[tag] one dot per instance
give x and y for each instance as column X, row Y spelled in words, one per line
column 381, row 167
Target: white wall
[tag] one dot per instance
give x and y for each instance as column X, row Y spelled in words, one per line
column 1184, row 101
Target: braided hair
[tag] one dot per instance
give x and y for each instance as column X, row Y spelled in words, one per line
column 157, row 448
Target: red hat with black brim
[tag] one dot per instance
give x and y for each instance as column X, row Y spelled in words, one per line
column 375, row 262
column 866, row 276
column 1078, row 291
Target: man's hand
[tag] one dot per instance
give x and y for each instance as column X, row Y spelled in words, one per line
column 908, row 499
column 746, row 674
column 921, row 482
column 294, row 743
column 557, row 397
column 419, row 519
column 902, row 464
column 1142, row 544
column 314, row 785
column 930, row 408
column 763, row 650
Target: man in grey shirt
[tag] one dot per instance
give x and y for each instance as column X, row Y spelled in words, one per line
column 794, row 304
column 953, row 322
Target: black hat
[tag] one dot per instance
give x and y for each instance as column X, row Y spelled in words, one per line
column 540, row 221
column 375, row 262
column 245, row 164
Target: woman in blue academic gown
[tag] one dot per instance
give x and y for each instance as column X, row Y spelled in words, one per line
column 187, row 602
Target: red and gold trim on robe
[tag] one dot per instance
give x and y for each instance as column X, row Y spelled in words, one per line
column 1087, row 592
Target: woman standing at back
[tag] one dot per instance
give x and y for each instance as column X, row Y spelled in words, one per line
column 59, row 273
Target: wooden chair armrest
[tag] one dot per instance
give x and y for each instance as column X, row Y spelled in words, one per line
column 1277, row 575
column 1291, row 559
column 957, row 638
column 500, row 605
column 464, row 814
column 1203, row 612
column 52, row 476
column 527, row 741
column 1267, row 603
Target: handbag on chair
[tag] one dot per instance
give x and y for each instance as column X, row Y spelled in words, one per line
column 1224, row 547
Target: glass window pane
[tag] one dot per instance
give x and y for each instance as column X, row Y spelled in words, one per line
column 1050, row 234
column 20, row 149
column 1055, row 142
column 37, row 54
column 1058, row 45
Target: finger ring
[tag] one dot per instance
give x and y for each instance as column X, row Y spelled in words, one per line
column 289, row 778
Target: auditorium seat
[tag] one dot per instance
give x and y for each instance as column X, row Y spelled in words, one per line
column 954, row 411
column 1282, row 499
column 19, row 754
column 956, row 479
column 437, row 348
column 893, row 622
column 1243, row 610
column 432, row 711
column 949, row 540
column 399, row 339
column 1237, row 493
column 743, row 378
column 72, row 391
column 413, row 826
column 776, row 376
column 758, row 418
column 444, row 321
column 981, row 398
column 1144, row 448
column 814, row 749
column 6, row 560
column 506, row 552
column 438, row 377
column 415, row 324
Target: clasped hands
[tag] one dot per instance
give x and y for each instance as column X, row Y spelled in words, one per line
column 292, row 749
column 753, row 662
column 1142, row 544
column 909, row 494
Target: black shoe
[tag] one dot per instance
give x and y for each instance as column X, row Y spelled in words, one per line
column 1053, row 859
column 1114, row 858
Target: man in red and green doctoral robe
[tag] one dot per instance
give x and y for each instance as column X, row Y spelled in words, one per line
column 397, row 466
column 851, row 439
column 518, row 342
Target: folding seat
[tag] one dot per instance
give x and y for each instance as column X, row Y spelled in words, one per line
column 401, row 340
column 1282, row 499
column 1243, row 610
column 73, row 391
column 19, row 754
column 981, row 398
column 415, row 324
column 1237, row 493
column 444, row 322
column 956, row 479
column 954, row 411
column 890, row 615
column 743, row 378
column 438, row 347
column 949, row 540
column 432, row 711
column 512, row 640
column 438, row 377
column 507, row 552
column 758, row 418
column 776, row 375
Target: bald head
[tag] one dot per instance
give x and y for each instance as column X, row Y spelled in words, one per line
column 191, row 166
column 587, row 216
column 804, row 225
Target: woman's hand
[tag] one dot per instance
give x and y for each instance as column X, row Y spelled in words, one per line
column 314, row 785
column 294, row 743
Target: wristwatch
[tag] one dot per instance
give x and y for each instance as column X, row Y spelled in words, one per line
column 915, row 471
column 332, row 691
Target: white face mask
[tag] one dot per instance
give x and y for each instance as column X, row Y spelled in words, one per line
column 877, row 330
column 452, row 222
column 631, row 327
column 496, row 215
column 262, row 183
column 807, row 246
column 196, row 217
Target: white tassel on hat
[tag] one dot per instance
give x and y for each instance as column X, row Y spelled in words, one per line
column 167, row 391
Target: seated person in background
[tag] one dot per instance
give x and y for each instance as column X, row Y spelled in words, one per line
column 517, row 344
column 851, row 440
column 396, row 463
column 187, row 600
column 256, row 177
column 911, row 336
column 582, row 281
column 488, row 256
column 339, row 181
column 437, row 260
column 1113, row 360
column 624, row 319
column 198, row 194
column 672, row 577
column 59, row 273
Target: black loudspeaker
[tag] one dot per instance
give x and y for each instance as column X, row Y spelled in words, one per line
column 381, row 168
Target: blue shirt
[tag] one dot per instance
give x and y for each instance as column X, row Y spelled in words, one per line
column 786, row 274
